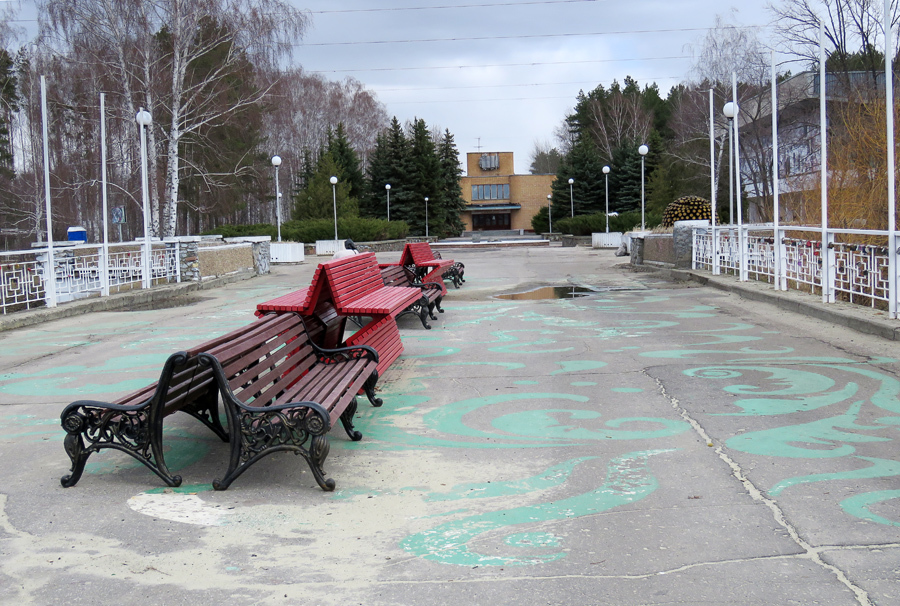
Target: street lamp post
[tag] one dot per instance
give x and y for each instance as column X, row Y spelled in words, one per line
column 144, row 120
column 550, row 211
column 642, row 150
column 426, row 216
column 606, row 176
column 571, row 197
column 729, row 111
column 276, row 162
column 334, row 181
column 387, row 188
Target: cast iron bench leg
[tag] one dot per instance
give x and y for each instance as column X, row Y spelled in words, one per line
column 347, row 422
column 369, row 388
column 260, row 432
column 127, row 428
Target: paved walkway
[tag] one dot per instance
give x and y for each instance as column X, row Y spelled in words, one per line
column 656, row 442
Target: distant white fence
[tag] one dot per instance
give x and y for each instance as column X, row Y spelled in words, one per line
column 329, row 247
column 287, row 252
column 612, row 239
column 860, row 273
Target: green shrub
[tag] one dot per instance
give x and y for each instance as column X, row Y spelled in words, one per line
column 585, row 225
column 631, row 220
column 236, row 231
column 540, row 223
column 356, row 228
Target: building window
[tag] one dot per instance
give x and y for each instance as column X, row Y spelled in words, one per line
column 489, row 162
column 497, row 191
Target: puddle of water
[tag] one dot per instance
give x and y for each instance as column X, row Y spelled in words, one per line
column 164, row 304
column 549, row 292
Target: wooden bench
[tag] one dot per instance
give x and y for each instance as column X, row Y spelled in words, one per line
column 190, row 382
column 428, row 266
column 432, row 292
column 284, row 393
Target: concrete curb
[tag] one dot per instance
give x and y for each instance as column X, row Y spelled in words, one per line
column 117, row 301
column 855, row 317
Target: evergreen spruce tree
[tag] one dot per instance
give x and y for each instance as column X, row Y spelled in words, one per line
column 625, row 179
column 347, row 161
column 583, row 164
column 386, row 167
column 316, row 200
column 420, row 172
column 373, row 204
column 452, row 203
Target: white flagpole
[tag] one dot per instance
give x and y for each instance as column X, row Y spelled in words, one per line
column 712, row 185
column 104, row 262
column 776, row 208
column 50, row 277
column 827, row 291
column 742, row 252
column 892, row 200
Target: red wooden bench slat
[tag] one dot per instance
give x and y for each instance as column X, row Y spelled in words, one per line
column 384, row 336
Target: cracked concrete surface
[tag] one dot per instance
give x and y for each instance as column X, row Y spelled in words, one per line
column 656, row 443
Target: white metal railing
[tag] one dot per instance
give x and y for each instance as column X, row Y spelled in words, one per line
column 800, row 257
column 81, row 271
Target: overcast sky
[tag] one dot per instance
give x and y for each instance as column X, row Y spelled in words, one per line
column 501, row 74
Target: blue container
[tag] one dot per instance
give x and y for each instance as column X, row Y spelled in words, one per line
column 77, row 234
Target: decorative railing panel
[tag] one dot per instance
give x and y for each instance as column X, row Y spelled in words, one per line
column 858, row 273
column 78, row 272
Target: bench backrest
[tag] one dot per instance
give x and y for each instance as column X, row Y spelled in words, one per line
column 395, row 275
column 266, row 360
column 416, row 253
column 352, row 277
column 182, row 382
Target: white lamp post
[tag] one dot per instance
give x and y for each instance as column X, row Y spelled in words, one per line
column 333, row 181
column 550, row 211
column 144, row 120
column 606, row 176
column 426, row 216
column 571, row 198
column 276, row 162
column 642, row 150
column 729, row 109
column 387, row 188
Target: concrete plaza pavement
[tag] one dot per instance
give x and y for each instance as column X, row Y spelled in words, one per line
column 656, row 442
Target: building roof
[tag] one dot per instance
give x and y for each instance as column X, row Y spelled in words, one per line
column 506, row 206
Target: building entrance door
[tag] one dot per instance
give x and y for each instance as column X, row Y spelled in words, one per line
column 491, row 221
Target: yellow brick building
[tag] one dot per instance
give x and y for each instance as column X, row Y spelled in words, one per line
column 496, row 197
